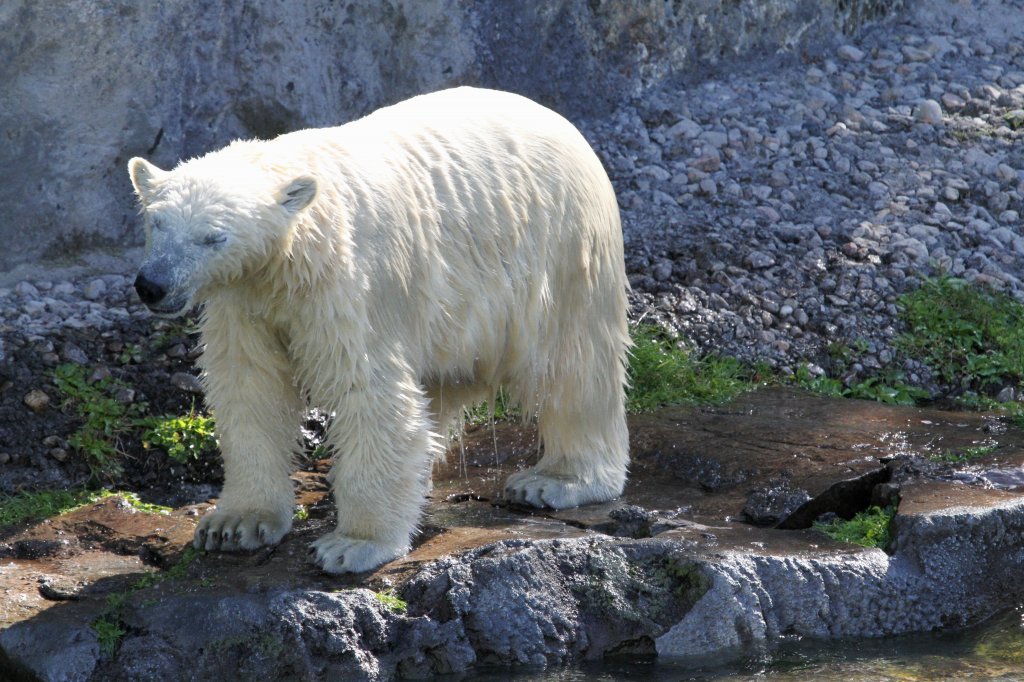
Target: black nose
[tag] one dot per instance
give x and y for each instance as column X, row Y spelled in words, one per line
column 149, row 291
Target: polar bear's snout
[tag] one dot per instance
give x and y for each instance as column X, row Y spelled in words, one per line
column 150, row 291
column 157, row 287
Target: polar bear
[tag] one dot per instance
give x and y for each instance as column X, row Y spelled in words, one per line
column 392, row 271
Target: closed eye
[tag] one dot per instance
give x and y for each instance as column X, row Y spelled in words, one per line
column 214, row 239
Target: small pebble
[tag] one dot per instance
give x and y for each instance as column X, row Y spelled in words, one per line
column 929, row 111
column 187, row 382
column 850, row 53
column 37, row 400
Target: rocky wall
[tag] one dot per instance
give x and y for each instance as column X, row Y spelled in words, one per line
column 87, row 85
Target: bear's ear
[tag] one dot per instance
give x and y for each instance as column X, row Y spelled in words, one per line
column 297, row 194
column 144, row 177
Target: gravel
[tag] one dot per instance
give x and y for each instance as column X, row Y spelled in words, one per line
column 767, row 213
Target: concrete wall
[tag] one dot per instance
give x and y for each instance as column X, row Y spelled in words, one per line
column 87, row 84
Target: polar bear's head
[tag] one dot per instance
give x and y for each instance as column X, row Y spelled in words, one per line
column 208, row 223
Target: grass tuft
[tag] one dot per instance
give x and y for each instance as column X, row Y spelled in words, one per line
column 663, row 372
column 971, row 336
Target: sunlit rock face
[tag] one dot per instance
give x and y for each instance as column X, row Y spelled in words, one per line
column 89, row 85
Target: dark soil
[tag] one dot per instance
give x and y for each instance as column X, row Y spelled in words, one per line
column 143, row 354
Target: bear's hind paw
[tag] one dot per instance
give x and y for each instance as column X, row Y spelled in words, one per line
column 542, row 490
column 337, row 553
column 230, row 531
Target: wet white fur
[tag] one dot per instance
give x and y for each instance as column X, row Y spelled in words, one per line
column 391, row 271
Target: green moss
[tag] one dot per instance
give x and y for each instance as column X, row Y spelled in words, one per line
column 34, row 506
column 871, row 528
column 389, row 599
column 691, row 582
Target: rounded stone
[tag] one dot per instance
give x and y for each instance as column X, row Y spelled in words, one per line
column 37, row 401
column 929, row 111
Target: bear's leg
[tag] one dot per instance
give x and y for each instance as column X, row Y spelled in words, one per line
column 582, row 424
column 384, row 443
column 250, row 390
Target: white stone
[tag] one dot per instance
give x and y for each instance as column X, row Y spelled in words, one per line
column 850, row 53
column 929, row 111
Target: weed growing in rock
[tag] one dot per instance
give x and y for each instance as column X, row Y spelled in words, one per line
column 109, row 416
column 183, row 438
column 870, row 528
column 963, row 456
column 662, row 372
column 109, row 627
column 130, row 355
column 109, row 633
column 972, row 337
column 888, row 387
column 389, row 599
column 106, row 412
column 301, row 513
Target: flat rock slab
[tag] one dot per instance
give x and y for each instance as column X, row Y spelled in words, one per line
column 675, row 567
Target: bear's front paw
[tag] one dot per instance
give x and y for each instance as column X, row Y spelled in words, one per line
column 539, row 489
column 233, row 530
column 337, row 553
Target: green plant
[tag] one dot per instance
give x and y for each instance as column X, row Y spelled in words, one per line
column 389, row 599
column 34, row 506
column 871, row 528
column 109, row 627
column 183, row 438
column 1014, row 119
column 964, row 455
column 130, row 354
column 301, row 513
column 972, row 337
column 503, row 410
column 887, row 387
column 662, row 372
column 105, row 419
column 109, row 632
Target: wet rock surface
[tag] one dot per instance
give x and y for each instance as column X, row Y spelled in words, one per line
column 674, row 567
